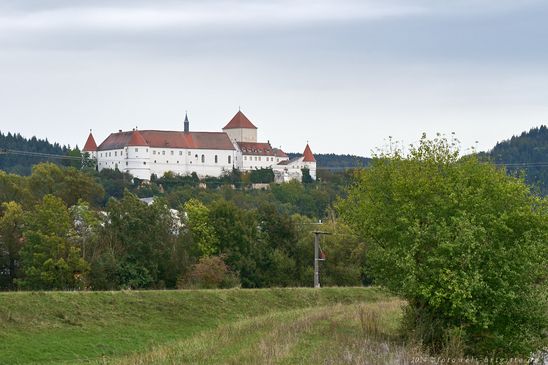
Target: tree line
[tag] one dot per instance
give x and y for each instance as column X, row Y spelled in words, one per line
column 64, row 229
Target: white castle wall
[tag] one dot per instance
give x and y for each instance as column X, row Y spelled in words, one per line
column 142, row 161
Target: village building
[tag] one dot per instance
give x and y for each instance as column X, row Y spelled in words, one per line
column 143, row 153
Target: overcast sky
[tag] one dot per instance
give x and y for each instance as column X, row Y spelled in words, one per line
column 342, row 74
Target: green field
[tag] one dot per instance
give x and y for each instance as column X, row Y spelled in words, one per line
column 200, row 326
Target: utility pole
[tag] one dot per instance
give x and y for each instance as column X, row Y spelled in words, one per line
column 317, row 258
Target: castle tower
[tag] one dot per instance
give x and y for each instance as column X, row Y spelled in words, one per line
column 240, row 129
column 310, row 161
column 90, row 146
column 138, row 157
column 89, row 159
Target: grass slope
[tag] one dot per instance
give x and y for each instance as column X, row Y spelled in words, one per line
column 83, row 327
column 364, row 333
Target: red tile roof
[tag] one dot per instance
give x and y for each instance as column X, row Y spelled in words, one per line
column 308, row 155
column 90, row 144
column 257, row 149
column 279, row 152
column 137, row 139
column 239, row 121
column 170, row 139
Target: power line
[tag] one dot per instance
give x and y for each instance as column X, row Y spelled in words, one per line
column 6, row 151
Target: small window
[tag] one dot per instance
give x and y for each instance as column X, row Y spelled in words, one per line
column 229, row 162
column 196, row 156
column 180, row 153
column 203, row 158
column 115, row 153
column 189, row 153
column 167, row 161
column 172, row 153
column 163, row 152
column 126, row 163
column 177, row 161
column 216, row 159
column 153, row 152
column 144, row 163
column 136, row 150
column 147, row 149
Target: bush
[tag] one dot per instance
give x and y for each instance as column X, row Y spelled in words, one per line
column 210, row 272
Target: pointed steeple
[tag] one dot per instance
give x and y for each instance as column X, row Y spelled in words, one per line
column 90, row 145
column 308, row 155
column 187, row 123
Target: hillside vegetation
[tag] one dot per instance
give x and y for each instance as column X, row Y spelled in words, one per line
column 527, row 153
column 78, row 327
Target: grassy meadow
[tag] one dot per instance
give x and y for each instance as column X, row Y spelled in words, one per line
column 195, row 326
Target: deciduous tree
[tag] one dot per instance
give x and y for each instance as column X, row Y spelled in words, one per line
column 463, row 242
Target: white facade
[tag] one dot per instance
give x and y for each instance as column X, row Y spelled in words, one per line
column 292, row 170
column 242, row 134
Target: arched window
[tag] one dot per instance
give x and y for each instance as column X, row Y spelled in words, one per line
column 203, row 158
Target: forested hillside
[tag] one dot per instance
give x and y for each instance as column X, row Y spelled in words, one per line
column 21, row 163
column 331, row 161
column 527, row 152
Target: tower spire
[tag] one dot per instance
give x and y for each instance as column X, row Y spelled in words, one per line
column 187, row 123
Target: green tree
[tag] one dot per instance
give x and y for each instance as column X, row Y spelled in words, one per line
column 49, row 258
column 11, row 238
column 200, row 227
column 14, row 188
column 236, row 230
column 464, row 243
column 69, row 184
column 307, row 178
column 136, row 242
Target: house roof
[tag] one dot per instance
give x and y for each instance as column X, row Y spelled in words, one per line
column 279, row 153
column 170, row 139
column 289, row 162
column 308, row 155
column 239, row 121
column 137, row 139
column 258, row 149
column 90, row 144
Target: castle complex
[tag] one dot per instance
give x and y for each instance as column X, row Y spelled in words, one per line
column 145, row 152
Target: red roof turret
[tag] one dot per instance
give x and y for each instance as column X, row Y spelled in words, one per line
column 308, row 155
column 239, row 121
column 90, row 145
column 137, row 139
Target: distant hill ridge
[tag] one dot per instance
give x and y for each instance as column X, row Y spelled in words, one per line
column 332, row 161
column 23, row 164
column 527, row 152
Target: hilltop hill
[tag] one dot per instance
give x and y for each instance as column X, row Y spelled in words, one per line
column 527, row 152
